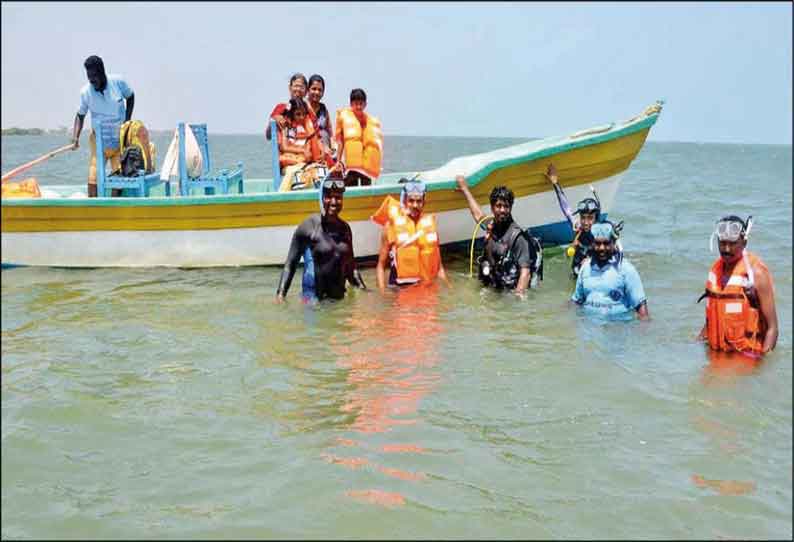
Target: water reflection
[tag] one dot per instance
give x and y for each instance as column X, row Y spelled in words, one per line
column 390, row 352
column 721, row 376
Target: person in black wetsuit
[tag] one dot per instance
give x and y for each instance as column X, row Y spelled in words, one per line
column 330, row 241
column 509, row 256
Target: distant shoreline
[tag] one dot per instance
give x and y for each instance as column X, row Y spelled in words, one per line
column 33, row 131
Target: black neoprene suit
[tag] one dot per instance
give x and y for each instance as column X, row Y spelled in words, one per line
column 331, row 244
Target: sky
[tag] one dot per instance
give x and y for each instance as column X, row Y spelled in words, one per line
column 469, row 69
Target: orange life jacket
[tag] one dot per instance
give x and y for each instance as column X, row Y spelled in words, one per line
column 732, row 323
column 363, row 148
column 291, row 158
column 416, row 255
column 389, row 209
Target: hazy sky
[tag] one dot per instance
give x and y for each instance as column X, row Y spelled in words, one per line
column 446, row 69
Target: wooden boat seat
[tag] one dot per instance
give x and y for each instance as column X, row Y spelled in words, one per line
column 133, row 186
column 212, row 184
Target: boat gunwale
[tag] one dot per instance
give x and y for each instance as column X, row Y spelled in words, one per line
column 473, row 179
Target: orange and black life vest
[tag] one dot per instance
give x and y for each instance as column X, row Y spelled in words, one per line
column 733, row 320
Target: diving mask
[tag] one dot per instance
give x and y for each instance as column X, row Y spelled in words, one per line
column 334, row 184
column 587, row 205
column 412, row 187
column 731, row 229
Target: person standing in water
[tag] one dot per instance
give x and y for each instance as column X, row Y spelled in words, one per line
column 409, row 243
column 608, row 284
column 330, row 241
column 740, row 295
column 589, row 211
column 510, row 256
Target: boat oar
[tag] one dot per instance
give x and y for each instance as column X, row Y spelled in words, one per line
column 40, row 159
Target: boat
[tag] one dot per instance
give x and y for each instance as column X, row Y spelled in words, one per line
column 255, row 228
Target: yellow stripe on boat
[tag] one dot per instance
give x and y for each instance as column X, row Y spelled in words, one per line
column 577, row 166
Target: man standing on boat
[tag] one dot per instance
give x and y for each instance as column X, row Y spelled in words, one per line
column 740, row 295
column 608, row 284
column 409, row 242
column 111, row 101
column 359, row 141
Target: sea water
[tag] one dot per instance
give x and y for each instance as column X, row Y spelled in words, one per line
column 165, row 403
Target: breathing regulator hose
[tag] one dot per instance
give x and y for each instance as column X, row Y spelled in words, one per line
column 471, row 247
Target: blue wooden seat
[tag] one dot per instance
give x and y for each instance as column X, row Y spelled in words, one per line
column 212, row 184
column 132, row 186
column 275, row 154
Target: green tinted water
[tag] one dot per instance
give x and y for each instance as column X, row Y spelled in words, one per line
column 185, row 404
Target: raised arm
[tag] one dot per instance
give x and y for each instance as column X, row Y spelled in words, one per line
column 551, row 175
column 474, row 207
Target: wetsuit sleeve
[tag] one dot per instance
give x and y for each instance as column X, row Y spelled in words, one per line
column 563, row 202
column 635, row 293
column 578, row 295
column 299, row 242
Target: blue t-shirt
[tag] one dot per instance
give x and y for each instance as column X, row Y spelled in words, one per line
column 613, row 289
column 107, row 108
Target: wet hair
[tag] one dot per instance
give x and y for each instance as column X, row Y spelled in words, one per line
column 293, row 105
column 503, row 193
column 316, row 78
column 296, row 76
column 358, row 94
column 95, row 64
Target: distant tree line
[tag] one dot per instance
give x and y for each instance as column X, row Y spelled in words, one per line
column 34, row 131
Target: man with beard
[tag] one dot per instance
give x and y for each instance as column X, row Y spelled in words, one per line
column 740, row 296
column 110, row 100
column 608, row 284
column 509, row 257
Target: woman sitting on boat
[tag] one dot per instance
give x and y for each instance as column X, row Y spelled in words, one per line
column 320, row 117
column 330, row 241
column 298, row 142
column 297, row 89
